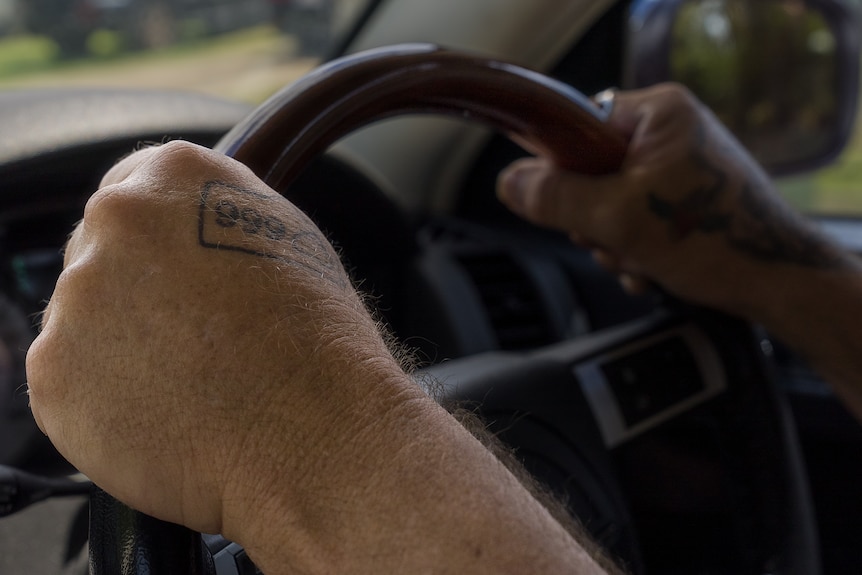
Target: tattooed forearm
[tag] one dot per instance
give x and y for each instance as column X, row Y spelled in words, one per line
column 232, row 219
column 763, row 229
column 764, row 232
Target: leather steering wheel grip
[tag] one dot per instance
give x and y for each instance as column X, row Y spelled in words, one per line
column 280, row 138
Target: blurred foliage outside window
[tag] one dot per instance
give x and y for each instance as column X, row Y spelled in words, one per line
column 238, row 49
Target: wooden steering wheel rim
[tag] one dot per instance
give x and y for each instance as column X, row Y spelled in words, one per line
column 545, row 116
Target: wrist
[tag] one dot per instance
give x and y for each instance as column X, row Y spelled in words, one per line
column 295, row 498
column 807, row 307
column 411, row 490
column 786, row 297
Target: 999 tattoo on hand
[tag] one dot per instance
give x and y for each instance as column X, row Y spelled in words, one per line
column 235, row 219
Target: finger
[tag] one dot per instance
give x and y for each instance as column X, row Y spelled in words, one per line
column 653, row 118
column 626, row 112
column 543, row 194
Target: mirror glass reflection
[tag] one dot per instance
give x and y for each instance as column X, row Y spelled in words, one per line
column 767, row 69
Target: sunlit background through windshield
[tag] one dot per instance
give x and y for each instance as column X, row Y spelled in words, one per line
column 243, row 50
column 238, row 49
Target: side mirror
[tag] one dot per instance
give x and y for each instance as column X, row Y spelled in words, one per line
column 783, row 75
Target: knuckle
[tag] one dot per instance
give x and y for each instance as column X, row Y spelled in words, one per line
column 195, row 163
column 44, row 358
column 115, row 224
column 676, row 95
column 114, row 203
column 179, row 152
column 159, row 187
column 674, row 104
column 83, row 278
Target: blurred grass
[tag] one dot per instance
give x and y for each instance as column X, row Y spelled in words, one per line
column 27, row 54
column 833, row 190
column 246, row 65
column 839, row 186
column 105, row 43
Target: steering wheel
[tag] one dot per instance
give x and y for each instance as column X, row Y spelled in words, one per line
column 567, row 406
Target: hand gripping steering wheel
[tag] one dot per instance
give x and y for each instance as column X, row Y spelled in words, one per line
column 280, row 138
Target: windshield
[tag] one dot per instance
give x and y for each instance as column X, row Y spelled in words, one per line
column 238, row 49
column 241, row 50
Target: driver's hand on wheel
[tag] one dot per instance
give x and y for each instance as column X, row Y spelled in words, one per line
column 197, row 309
column 689, row 209
column 205, row 359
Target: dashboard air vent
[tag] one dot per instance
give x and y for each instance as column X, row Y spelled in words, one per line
column 511, row 301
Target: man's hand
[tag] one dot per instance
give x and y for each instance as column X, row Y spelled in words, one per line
column 198, row 313
column 689, row 209
column 205, row 359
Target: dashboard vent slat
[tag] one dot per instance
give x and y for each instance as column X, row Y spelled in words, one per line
column 511, row 301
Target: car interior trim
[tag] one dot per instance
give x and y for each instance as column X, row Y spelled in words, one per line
column 605, row 402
